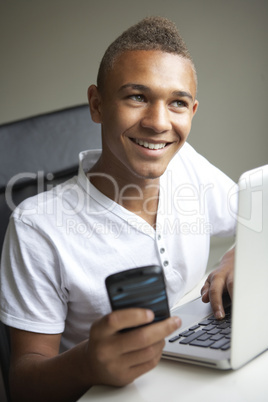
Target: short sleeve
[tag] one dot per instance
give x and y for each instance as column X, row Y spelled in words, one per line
column 32, row 288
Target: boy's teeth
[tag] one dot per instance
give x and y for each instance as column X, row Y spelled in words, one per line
column 150, row 145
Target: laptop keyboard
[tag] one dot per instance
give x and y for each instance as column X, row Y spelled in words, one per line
column 209, row 333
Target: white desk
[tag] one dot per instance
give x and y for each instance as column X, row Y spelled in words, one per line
column 178, row 382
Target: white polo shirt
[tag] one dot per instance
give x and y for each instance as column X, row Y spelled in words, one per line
column 62, row 244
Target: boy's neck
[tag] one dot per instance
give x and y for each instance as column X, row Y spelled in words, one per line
column 138, row 195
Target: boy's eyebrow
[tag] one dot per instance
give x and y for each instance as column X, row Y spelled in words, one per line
column 140, row 87
column 182, row 94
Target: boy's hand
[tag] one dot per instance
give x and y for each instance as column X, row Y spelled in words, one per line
column 118, row 358
column 218, row 282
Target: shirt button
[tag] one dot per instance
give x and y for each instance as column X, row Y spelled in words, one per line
column 162, row 250
column 165, row 263
column 159, row 237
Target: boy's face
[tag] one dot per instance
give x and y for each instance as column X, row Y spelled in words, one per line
column 146, row 110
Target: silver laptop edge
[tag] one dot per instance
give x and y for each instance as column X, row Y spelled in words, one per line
column 250, row 294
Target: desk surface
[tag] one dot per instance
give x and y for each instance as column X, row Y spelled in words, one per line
column 173, row 381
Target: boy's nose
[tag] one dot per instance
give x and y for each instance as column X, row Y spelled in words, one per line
column 157, row 118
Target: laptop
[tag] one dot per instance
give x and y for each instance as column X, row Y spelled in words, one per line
column 244, row 333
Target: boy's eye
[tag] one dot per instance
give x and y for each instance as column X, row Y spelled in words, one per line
column 137, row 98
column 179, row 103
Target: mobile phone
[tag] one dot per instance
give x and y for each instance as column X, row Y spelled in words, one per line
column 142, row 287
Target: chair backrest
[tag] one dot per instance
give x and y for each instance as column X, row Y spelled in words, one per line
column 3, row 396
column 39, row 152
column 35, row 154
column 4, row 359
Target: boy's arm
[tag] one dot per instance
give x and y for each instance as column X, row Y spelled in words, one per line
column 39, row 372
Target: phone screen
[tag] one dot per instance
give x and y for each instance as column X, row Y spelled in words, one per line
column 139, row 287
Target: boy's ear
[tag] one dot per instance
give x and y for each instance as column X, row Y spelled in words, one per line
column 195, row 107
column 94, row 100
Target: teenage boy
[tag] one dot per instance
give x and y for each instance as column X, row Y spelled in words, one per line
column 146, row 198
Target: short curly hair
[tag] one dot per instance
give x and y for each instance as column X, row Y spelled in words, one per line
column 152, row 33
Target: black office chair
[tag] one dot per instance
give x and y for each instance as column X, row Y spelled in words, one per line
column 35, row 154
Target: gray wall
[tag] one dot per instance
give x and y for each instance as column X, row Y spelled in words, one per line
column 50, row 52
